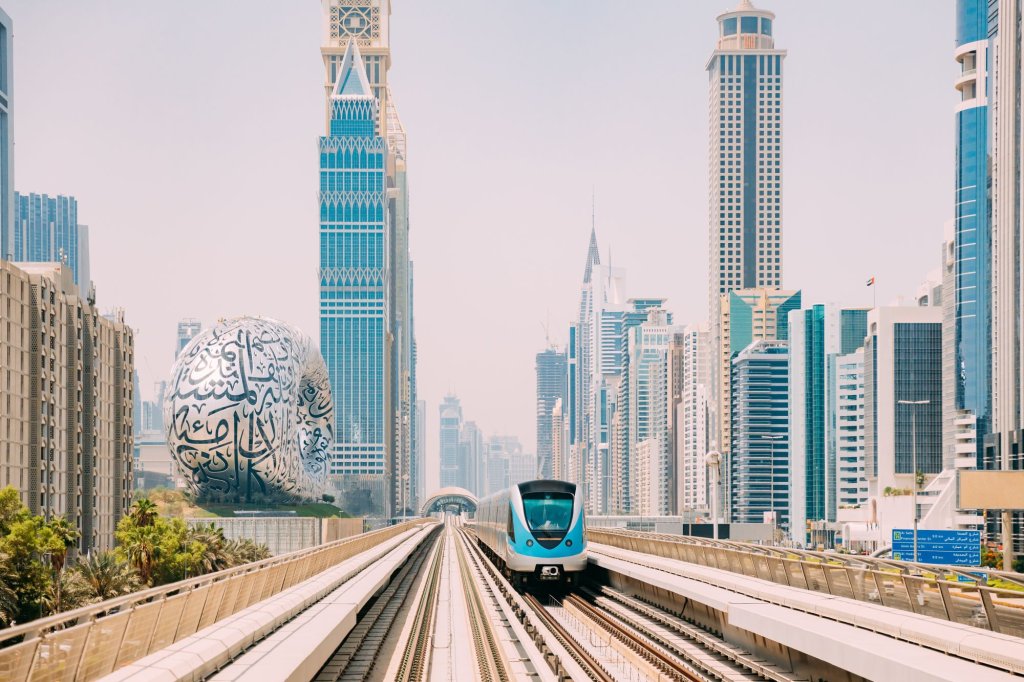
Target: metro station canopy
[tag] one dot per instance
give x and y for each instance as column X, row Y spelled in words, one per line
column 451, row 498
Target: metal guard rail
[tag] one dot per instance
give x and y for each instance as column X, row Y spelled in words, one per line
column 93, row 641
column 875, row 581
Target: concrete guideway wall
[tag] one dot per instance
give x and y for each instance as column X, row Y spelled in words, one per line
column 88, row 643
column 283, row 535
column 761, row 614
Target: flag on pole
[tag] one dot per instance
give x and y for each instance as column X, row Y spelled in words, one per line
column 871, row 282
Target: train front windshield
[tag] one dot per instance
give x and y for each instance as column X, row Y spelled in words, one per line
column 548, row 512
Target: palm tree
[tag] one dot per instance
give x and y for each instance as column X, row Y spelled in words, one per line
column 107, row 576
column 68, row 591
column 64, row 536
column 214, row 554
column 141, row 546
column 144, row 512
column 245, row 551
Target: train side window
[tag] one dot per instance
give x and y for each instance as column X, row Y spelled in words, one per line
column 511, row 526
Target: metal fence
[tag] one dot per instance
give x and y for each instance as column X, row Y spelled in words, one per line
column 95, row 640
column 950, row 593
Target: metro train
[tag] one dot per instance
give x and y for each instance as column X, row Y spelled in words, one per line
column 535, row 531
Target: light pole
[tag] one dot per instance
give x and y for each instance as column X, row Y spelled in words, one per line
column 913, row 459
column 713, row 459
column 771, row 476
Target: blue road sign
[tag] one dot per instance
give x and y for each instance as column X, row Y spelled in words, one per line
column 950, row 547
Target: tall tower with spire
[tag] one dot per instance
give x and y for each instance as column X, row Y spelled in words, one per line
column 745, row 175
column 355, row 293
column 366, row 24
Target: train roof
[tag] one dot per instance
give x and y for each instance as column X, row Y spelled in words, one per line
column 547, row 486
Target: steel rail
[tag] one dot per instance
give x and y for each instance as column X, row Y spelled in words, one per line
column 591, row 665
column 653, row 653
column 415, row 662
column 355, row 658
column 490, row 656
column 726, row 653
column 558, row 657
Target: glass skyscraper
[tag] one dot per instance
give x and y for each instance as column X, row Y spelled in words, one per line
column 188, row 328
column 453, row 470
column 46, row 230
column 972, row 329
column 6, row 136
column 817, row 337
column 760, row 433
column 745, row 316
column 367, row 24
column 745, row 156
column 744, row 184
column 551, row 382
column 902, row 364
column 354, row 291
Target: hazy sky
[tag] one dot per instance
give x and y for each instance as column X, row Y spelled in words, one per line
column 187, row 130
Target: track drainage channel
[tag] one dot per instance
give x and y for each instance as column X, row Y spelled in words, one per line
column 355, row 658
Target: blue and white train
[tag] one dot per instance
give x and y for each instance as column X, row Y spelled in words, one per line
column 535, row 531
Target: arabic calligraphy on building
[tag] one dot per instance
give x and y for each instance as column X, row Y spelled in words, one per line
column 249, row 412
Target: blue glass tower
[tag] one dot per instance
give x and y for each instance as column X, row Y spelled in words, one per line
column 972, row 227
column 46, row 230
column 354, row 291
column 6, row 136
column 760, row 433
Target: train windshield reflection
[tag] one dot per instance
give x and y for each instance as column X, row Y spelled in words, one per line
column 550, row 512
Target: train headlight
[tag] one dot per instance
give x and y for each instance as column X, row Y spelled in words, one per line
column 529, row 543
column 568, row 543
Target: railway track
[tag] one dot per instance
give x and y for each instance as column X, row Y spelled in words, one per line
column 356, row 657
column 656, row 642
column 491, row 661
column 707, row 654
column 662, row 662
column 591, row 666
column 414, row 664
column 594, row 633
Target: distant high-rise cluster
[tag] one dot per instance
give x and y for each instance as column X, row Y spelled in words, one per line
column 821, row 421
column 366, row 317
column 612, row 427
column 46, row 230
column 471, row 461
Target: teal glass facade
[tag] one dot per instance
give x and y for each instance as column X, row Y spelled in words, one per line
column 818, row 336
column 354, row 291
column 46, row 230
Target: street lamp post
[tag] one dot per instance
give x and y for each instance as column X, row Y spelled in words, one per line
column 713, row 459
column 913, row 459
column 771, row 476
